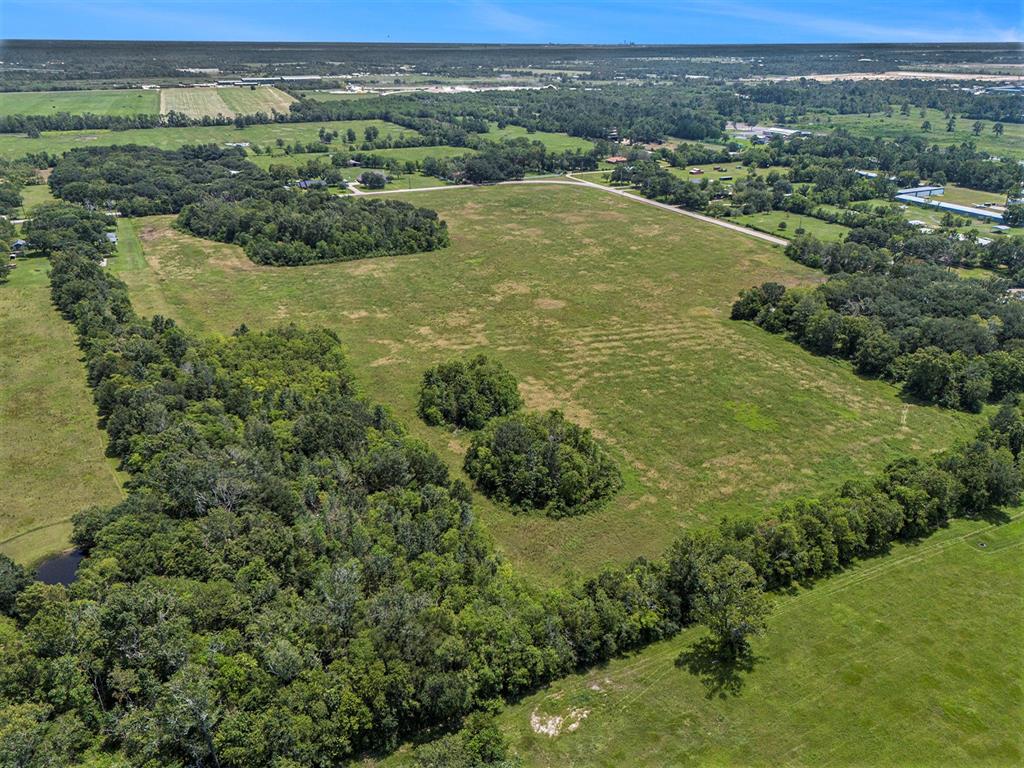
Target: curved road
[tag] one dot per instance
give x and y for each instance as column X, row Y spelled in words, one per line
column 574, row 181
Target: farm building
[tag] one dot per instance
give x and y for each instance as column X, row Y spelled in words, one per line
column 926, row 191
column 18, row 245
column 311, row 184
column 963, row 210
column 111, row 237
column 616, row 159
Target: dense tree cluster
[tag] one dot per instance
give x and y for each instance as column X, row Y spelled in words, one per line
column 467, row 393
column 655, row 182
column 509, row 159
column 141, row 181
column 316, row 226
column 950, row 341
column 69, row 228
column 542, row 462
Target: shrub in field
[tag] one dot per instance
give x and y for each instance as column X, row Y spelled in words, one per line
column 467, row 393
column 542, row 462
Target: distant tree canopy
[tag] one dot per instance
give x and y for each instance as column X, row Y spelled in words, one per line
column 223, row 197
column 141, row 181
column 467, row 393
column 542, row 462
column 316, row 226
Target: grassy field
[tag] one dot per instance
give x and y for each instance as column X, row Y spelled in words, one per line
column 197, row 102
column 556, row 142
column 1010, row 144
column 967, row 196
column 17, row 145
column 912, row 659
column 33, row 196
column 736, row 170
column 119, row 102
column 51, row 450
column 614, row 311
column 769, row 222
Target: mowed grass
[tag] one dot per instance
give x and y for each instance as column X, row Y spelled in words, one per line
column 913, row 659
column 110, row 102
column 1010, row 144
column 967, row 196
column 17, row 145
column 769, row 222
column 555, row 142
column 51, row 450
column 198, row 102
column 612, row 310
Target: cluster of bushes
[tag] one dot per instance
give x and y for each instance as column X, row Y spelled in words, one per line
column 316, row 226
column 949, row 341
column 467, row 393
column 542, row 462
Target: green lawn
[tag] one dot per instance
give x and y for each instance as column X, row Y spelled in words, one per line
column 112, row 102
column 769, row 222
column 616, row 312
column 33, row 196
column 555, row 142
column 736, row 170
column 51, row 450
column 913, row 659
column 1010, row 144
column 16, row 145
column 967, row 196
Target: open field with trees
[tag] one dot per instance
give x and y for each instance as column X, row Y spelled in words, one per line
column 1009, row 144
column 51, row 451
column 613, row 311
column 908, row 656
column 112, row 102
column 17, row 145
column 197, row 102
column 770, row 220
column 556, row 142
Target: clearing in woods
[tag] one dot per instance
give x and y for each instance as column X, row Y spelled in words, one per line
column 914, row 656
column 614, row 311
column 51, row 450
column 229, row 102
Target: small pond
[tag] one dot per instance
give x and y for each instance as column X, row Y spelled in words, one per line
column 60, row 569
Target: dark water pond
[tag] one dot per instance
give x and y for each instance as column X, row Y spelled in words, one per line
column 60, row 569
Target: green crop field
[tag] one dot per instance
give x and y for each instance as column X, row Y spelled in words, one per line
column 17, row 145
column 1010, row 144
column 556, row 142
column 769, row 222
column 913, row 659
column 616, row 312
column 197, row 102
column 51, row 449
column 114, row 102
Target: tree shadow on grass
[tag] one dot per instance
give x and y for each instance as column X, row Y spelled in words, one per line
column 720, row 670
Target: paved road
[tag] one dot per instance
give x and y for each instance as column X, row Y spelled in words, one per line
column 574, row 181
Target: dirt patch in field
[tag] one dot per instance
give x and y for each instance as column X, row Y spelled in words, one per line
column 548, row 303
column 371, row 267
column 554, row 725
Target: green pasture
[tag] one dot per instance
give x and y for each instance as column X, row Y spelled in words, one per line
column 99, row 102
column 51, row 450
column 611, row 310
column 769, row 222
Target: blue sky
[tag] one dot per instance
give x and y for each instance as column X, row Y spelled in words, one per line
column 518, row 21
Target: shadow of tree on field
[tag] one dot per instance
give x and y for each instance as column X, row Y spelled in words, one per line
column 720, row 671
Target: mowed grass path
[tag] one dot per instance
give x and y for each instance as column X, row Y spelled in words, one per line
column 51, row 450
column 18, row 145
column 913, row 659
column 197, row 102
column 614, row 311
column 109, row 102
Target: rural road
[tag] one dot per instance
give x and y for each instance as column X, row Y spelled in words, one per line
column 573, row 181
